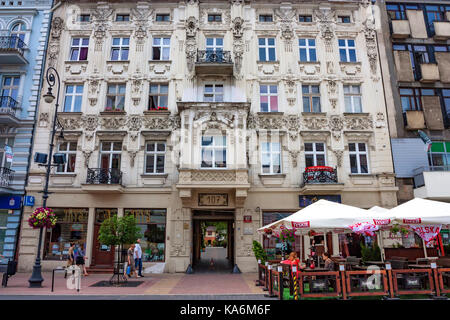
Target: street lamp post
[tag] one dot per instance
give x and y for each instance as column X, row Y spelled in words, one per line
column 52, row 78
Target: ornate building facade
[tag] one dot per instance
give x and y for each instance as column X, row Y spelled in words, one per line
column 238, row 111
column 24, row 27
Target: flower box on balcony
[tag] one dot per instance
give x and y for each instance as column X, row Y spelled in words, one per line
column 320, row 174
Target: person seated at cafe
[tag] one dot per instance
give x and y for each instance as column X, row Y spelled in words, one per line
column 293, row 260
column 329, row 264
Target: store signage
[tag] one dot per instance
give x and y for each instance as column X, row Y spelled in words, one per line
column 247, row 219
column 10, row 202
column 28, row 201
column 205, row 199
column 381, row 222
column 298, row 225
column 412, row 221
column 9, row 155
column 306, row 200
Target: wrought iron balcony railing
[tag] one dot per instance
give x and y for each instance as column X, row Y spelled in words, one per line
column 6, row 176
column 320, row 174
column 12, row 43
column 8, row 105
column 213, row 56
column 104, row 176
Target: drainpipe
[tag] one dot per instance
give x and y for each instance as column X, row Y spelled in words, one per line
column 44, row 62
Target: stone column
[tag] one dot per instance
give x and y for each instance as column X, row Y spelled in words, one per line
column 90, row 236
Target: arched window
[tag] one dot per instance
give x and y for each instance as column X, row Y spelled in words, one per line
column 17, row 34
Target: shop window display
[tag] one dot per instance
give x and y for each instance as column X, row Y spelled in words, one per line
column 152, row 225
column 71, row 226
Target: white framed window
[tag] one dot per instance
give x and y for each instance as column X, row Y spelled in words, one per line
column 359, row 157
column 214, row 44
column 311, row 98
column 352, row 98
column 160, row 17
column 315, row 154
column 161, row 49
column 271, row 157
column 10, row 88
column 122, row 17
column 268, row 97
column 18, row 33
column 347, row 50
column 70, row 150
column 155, row 155
column 115, row 97
column 79, row 49
column 120, row 49
column 307, row 50
column 110, row 154
column 158, row 97
column 214, row 152
column 266, row 49
column 343, row 19
column 265, row 18
column 73, row 98
column 213, row 17
column 213, row 92
column 5, row 141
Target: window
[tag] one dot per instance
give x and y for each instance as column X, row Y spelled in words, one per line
column 71, row 226
column 412, row 98
column 273, row 245
column 311, row 98
column 155, row 153
column 439, row 156
column 446, row 99
column 268, row 98
column 4, row 161
column 213, row 93
column 271, row 157
column 398, row 11
column 162, row 17
column 161, row 48
column 266, row 49
column 73, row 98
column 84, row 18
column 10, row 88
column 305, row 18
column 214, row 44
column 115, row 97
column 158, row 96
column 152, row 227
column 120, row 48
column 18, row 32
column 343, row 19
column 214, row 152
column 79, row 49
column 110, row 155
column 265, row 18
column 307, row 50
column 419, row 54
column 3, row 230
column 434, row 13
column 347, row 50
column 315, row 154
column 70, row 150
column 358, row 158
column 122, row 17
column 214, row 17
column 352, row 98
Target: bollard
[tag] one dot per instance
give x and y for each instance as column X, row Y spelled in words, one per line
column 294, row 275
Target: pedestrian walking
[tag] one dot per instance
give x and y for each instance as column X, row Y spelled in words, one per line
column 130, row 258
column 71, row 255
column 138, row 257
column 80, row 259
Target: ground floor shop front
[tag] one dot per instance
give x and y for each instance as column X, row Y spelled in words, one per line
column 170, row 224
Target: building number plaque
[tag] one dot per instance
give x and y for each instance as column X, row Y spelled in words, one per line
column 205, row 199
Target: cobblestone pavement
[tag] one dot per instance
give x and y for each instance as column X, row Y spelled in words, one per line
column 202, row 286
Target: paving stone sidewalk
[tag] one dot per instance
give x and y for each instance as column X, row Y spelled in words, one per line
column 202, row 285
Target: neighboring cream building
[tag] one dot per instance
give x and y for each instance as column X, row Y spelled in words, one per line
column 256, row 91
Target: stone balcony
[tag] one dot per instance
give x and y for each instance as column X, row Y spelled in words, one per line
column 214, row 62
column 432, row 183
column 430, row 72
column 400, row 29
column 414, row 120
column 12, row 50
column 442, row 30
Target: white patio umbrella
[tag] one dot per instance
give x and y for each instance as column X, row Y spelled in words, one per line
column 322, row 216
column 384, row 214
column 422, row 211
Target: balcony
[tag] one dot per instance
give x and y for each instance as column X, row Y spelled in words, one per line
column 441, row 30
column 429, row 72
column 414, row 120
column 12, row 50
column 216, row 62
column 8, row 109
column 432, row 182
column 101, row 180
column 321, row 178
column 6, row 176
column 400, row 29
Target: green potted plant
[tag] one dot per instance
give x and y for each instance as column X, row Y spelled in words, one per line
column 259, row 252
